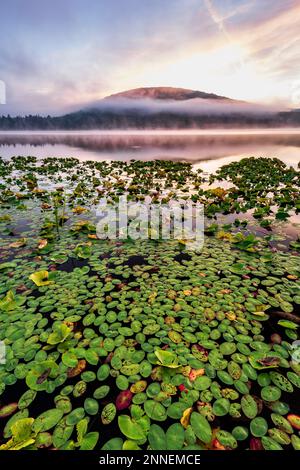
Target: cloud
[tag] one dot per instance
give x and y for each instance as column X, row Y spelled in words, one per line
column 54, row 57
column 217, row 18
column 2, row 92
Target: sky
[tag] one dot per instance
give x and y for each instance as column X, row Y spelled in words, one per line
column 62, row 55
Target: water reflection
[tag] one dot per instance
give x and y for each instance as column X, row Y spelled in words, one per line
column 216, row 147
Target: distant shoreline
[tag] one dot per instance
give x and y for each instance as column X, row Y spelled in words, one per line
column 168, row 132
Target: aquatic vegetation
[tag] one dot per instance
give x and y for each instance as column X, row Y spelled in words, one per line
column 162, row 347
column 42, row 278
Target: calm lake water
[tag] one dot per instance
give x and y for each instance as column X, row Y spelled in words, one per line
column 208, row 149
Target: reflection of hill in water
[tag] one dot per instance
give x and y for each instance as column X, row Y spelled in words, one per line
column 182, row 147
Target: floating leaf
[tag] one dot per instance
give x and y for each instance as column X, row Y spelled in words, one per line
column 92, row 357
column 47, row 420
column 13, row 419
column 101, row 392
column 270, row 393
column 176, row 409
column 81, row 428
column 175, row 437
column 226, row 439
column 155, row 410
column 11, row 301
column 201, row 427
column 295, row 440
column 282, row 423
column 221, row 406
column 26, row 399
column 103, row 372
column 75, row 416
column 249, row 406
column 167, row 358
column 91, row 406
column 22, row 435
column 175, row 336
column 281, row 382
column 240, row 433
column 116, row 443
column 258, row 427
column 63, row 403
column 269, row 444
column 7, row 265
column 294, row 420
column 123, row 400
column 43, row 440
column 130, row 445
column 62, row 433
column 202, row 383
column 279, row 436
column 8, row 410
column 60, row 334
column 130, row 428
column 69, row 359
column 139, row 386
column 74, row 371
column 42, row 278
column 89, row 441
column 157, row 438
column 108, row 413
column 261, row 360
column 42, row 243
column 79, row 389
column 18, row 244
column 185, row 419
column 288, row 324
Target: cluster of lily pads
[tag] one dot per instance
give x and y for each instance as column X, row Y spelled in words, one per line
column 265, row 186
column 143, row 344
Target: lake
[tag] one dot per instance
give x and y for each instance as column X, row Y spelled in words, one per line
column 97, row 328
column 209, row 148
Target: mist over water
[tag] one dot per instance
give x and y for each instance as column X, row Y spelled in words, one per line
column 209, row 149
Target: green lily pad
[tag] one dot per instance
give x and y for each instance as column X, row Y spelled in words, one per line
column 91, row 406
column 155, row 410
column 270, row 393
column 201, row 427
column 108, row 413
column 249, row 406
column 130, row 428
column 75, row 416
column 221, row 407
column 226, row 439
column 258, row 427
column 47, row 420
column 157, row 438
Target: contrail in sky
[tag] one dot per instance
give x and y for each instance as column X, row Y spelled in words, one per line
column 217, row 18
column 219, row 21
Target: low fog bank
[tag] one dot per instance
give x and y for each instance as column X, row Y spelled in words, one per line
column 196, row 106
